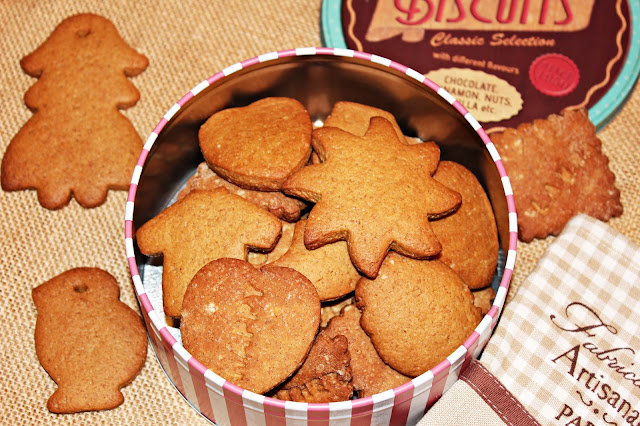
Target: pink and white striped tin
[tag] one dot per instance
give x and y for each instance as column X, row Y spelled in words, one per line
column 224, row 403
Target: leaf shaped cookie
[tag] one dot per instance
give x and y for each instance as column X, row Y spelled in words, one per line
column 254, row 327
column 375, row 192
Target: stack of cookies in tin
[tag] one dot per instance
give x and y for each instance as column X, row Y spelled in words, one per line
column 323, row 264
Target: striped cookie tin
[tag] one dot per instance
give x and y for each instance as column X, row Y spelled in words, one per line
column 318, row 77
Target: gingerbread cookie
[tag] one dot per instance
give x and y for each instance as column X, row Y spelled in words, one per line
column 469, row 236
column 260, row 258
column 325, row 375
column 483, row 299
column 370, row 374
column 283, row 207
column 376, row 192
column 329, row 267
column 90, row 343
column 252, row 327
column 260, row 145
column 417, row 312
column 203, row 226
column 77, row 143
column 333, row 308
column 557, row 170
column 354, row 118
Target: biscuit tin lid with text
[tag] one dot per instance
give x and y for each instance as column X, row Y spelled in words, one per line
column 506, row 61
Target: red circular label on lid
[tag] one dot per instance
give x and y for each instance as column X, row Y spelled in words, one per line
column 554, row 74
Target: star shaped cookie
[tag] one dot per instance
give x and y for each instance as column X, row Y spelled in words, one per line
column 376, row 192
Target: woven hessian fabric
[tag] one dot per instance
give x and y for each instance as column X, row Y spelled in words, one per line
column 185, row 41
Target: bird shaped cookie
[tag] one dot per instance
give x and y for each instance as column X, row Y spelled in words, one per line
column 89, row 342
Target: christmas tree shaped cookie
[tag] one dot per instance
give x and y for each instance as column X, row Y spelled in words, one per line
column 77, row 143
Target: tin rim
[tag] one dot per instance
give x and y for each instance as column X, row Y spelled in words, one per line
column 433, row 380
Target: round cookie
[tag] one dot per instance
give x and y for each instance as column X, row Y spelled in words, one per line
column 329, row 267
column 416, row 312
column 469, row 236
column 260, row 145
column 252, row 327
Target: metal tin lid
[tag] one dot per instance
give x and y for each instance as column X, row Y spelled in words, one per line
column 506, row 61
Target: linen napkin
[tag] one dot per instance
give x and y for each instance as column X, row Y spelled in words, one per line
column 567, row 348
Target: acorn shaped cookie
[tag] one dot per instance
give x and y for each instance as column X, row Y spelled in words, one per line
column 89, row 342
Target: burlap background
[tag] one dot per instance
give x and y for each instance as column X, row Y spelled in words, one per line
column 185, row 41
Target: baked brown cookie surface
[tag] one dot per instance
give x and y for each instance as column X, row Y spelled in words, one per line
column 329, row 267
column 275, row 202
column 332, row 308
column 376, row 192
column 325, row 375
column 483, row 299
column 370, row 374
column 252, row 327
column 557, row 170
column 354, row 118
column 90, row 343
column 262, row 258
column 77, row 144
column 416, row 312
column 203, row 226
column 469, row 236
column 260, row 145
